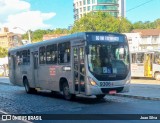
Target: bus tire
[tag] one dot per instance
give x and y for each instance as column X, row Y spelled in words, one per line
column 67, row 95
column 101, row 96
column 28, row 89
column 157, row 76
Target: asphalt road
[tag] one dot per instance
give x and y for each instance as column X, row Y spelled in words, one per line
column 14, row 100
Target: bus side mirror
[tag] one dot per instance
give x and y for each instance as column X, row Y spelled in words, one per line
column 87, row 50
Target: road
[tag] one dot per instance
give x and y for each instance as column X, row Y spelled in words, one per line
column 14, row 100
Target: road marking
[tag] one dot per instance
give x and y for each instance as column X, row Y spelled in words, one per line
column 25, row 121
column 3, row 112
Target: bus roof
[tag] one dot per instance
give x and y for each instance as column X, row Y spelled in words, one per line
column 79, row 35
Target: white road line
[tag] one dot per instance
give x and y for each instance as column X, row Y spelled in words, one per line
column 25, row 121
column 3, row 112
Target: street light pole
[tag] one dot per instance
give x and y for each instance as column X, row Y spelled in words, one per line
column 28, row 32
column 29, row 37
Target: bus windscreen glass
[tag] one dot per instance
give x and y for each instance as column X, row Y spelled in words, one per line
column 108, row 61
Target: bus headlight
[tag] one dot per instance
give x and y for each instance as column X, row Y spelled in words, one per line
column 128, row 82
column 92, row 81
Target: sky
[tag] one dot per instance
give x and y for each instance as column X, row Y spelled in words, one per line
column 51, row 14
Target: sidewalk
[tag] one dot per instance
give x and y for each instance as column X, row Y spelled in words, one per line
column 140, row 88
column 143, row 89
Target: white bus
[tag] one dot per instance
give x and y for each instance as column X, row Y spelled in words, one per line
column 146, row 64
column 87, row 63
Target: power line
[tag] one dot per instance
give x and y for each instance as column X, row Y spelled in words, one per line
column 139, row 5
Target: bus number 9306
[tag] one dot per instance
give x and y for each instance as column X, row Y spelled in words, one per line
column 103, row 84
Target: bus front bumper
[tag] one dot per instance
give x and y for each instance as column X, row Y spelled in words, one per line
column 95, row 90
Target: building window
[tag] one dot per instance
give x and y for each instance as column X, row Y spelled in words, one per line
column 42, row 55
column 80, row 9
column 93, row 1
column 80, row 3
column 84, row 9
column 84, row 2
column 77, row 4
column 104, row 7
column 88, row 1
column 51, row 54
column 88, row 8
column 64, row 52
column 107, row 1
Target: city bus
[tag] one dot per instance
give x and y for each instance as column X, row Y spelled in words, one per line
column 146, row 64
column 85, row 63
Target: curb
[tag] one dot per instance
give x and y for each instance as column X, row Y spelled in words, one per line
column 138, row 97
column 5, row 83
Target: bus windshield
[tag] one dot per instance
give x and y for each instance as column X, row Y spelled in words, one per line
column 109, row 61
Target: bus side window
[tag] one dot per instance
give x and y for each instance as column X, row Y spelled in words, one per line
column 140, row 57
column 157, row 58
column 48, row 54
column 42, row 55
column 26, row 57
column 64, row 52
column 51, row 54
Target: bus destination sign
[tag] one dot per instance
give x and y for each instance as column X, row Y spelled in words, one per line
column 108, row 38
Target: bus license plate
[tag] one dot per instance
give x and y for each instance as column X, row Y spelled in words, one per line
column 113, row 92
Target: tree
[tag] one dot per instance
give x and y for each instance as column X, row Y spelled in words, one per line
column 101, row 21
column 157, row 23
column 125, row 25
column 3, row 52
column 37, row 35
column 147, row 25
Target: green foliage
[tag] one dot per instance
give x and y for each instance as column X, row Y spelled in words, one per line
column 147, row 25
column 37, row 35
column 3, row 52
column 96, row 21
column 157, row 23
column 100, row 21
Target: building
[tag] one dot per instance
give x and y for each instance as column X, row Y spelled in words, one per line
column 51, row 36
column 150, row 38
column 116, row 8
column 9, row 39
column 134, row 40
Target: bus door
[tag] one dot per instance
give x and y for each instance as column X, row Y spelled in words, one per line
column 137, row 66
column 148, row 65
column 13, row 67
column 79, row 69
column 35, row 68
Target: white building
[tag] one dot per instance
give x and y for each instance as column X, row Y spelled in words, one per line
column 144, row 39
column 116, row 8
column 150, row 38
column 134, row 40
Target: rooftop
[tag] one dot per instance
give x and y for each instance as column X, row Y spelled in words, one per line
column 147, row 32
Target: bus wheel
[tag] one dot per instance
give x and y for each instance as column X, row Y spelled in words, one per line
column 67, row 95
column 27, row 88
column 157, row 76
column 101, row 96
